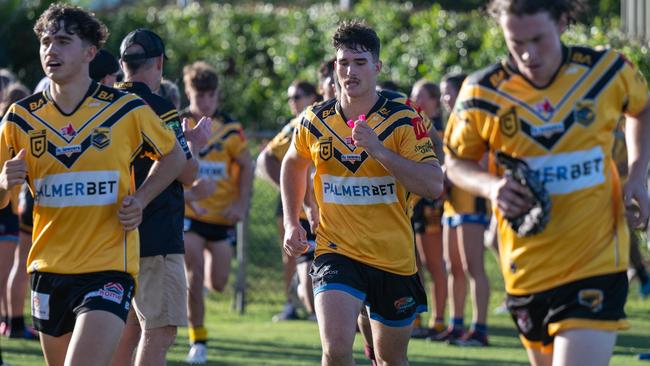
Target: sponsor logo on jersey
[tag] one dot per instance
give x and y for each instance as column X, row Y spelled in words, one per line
column 68, row 150
column 351, row 157
column 215, row 170
column 40, row 305
column 424, row 148
column 325, row 148
column 359, row 190
column 509, row 123
column 584, row 112
column 592, row 299
column 547, row 130
column 89, row 188
column 38, row 142
column 69, row 132
column 564, row 173
column 524, row 322
column 419, row 128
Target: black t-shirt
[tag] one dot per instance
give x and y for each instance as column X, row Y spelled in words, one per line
column 161, row 230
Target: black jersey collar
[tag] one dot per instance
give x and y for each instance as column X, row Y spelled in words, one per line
column 135, row 87
column 380, row 103
column 92, row 89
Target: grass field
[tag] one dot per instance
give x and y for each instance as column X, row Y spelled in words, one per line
column 252, row 339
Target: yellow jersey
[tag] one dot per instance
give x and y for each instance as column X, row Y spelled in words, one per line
column 363, row 209
column 565, row 132
column 78, row 168
column 217, row 162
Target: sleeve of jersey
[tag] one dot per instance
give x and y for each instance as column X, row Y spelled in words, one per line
column 172, row 121
column 279, row 145
column 7, row 147
column 462, row 138
column 636, row 88
column 159, row 136
column 415, row 143
column 301, row 137
column 235, row 141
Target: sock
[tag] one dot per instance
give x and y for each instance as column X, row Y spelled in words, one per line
column 198, row 335
column 17, row 324
column 457, row 322
column 480, row 328
column 439, row 325
column 370, row 352
column 417, row 322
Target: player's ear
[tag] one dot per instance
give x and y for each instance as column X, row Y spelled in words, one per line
column 378, row 65
column 89, row 52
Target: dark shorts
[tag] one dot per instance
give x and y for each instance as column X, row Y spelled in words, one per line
column 211, row 232
column 309, row 255
column 58, row 299
column 26, row 218
column 593, row 303
column 426, row 212
column 8, row 224
column 392, row 299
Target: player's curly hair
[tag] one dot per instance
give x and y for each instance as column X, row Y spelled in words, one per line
column 572, row 8
column 358, row 36
column 200, row 76
column 75, row 20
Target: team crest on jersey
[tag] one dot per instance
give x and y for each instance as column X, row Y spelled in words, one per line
column 101, row 137
column 591, row 298
column 584, row 112
column 325, row 148
column 38, row 142
column 509, row 123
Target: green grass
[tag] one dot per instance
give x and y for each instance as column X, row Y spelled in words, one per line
column 252, row 339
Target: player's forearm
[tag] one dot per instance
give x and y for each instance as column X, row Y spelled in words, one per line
column 189, row 172
column 293, row 186
column 423, row 179
column 637, row 135
column 4, row 198
column 468, row 175
column 162, row 173
column 269, row 167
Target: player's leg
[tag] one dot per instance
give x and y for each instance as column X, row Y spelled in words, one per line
column 472, row 255
column 194, row 268
column 55, row 348
column 583, row 347
column 431, row 255
column 456, row 284
column 636, row 261
column 289, row 269
column 88, row 346
column 125, row 352
column 305, row 288
column 363, row 323
column 17, row 289
column 220, row 253
column 537, row 357
column 391, row 343
column 336, row 312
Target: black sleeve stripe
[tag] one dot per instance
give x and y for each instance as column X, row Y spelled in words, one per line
column 479, row 104
column 150, row 142
column 605, row 79
column 428, row 157
column 19, row 121
column 167, row 114
column 405, row 121
column 229, row 133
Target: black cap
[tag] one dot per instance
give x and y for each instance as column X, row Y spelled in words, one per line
column 151, row 43
column 102, row 65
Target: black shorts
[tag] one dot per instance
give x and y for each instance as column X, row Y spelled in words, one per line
column 392, row 299
column 211, row 232
column 8, row 224
column 595, row 303
column 309, row 255
column 26, row 218
column 58, row 299
column 426, row 212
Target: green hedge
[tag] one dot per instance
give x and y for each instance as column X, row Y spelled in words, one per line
column 260, row 49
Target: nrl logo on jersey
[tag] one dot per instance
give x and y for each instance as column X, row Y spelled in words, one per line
column 509, row 123
column 584, row 112
column 325, row 148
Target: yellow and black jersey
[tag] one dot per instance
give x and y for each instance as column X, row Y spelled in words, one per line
column 217, row 162
column 78, row 168
column 565, row 133
column 161, row 230
column 280, row 143
column 363, row 209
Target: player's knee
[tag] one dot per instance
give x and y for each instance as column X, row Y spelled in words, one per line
column 390, row 358
column 218, row 283
column 160, row 338
column 337, row 353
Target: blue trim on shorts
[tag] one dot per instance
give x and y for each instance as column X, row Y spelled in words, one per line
column 401, row 322
column 341, row 287
column 457, row 220
column 9, row 238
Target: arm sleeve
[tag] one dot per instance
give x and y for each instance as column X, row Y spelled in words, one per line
column 155, row 133
column 462, row 135
column 172, row 121
column 414, row 142
column 302, row 137
column 235, row 141
column 636, row 88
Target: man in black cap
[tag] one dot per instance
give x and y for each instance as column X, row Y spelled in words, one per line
column 104, row 68
column 160, row 302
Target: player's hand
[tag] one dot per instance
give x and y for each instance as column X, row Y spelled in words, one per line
column 637, row 203
column 200, row 134
column 365, row 137
column 130, row 213
column 201, row 188
column 295, row 240
column 14, row 171
column 235, row 212
column 512, row 198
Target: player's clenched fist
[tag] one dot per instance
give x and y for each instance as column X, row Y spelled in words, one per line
column 130, row 213
column 14, row 171
column 364, row 136
column 295, row 240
